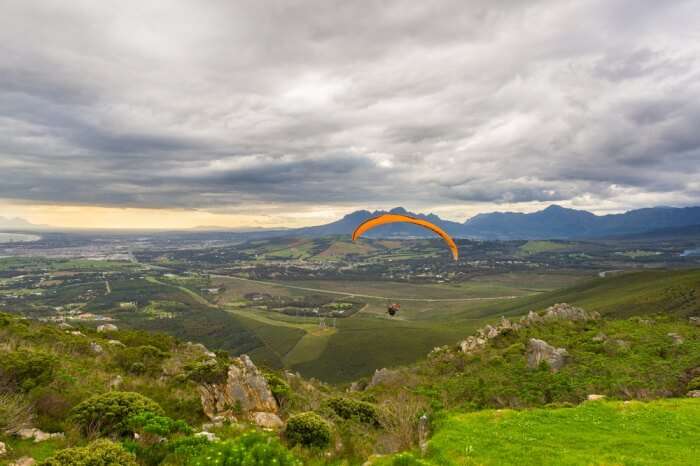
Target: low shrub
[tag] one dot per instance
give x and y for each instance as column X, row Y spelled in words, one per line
column 347, row 408
column 308, row 429
column 108, row 413
column 249, row 449
column 25, row 369
column 98, row 453
column 15, row 413
column 210, row 371
column 149, row 423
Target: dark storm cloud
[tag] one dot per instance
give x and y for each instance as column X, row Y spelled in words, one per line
column 215, row 104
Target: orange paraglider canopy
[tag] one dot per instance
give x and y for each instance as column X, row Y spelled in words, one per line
column 395, row 218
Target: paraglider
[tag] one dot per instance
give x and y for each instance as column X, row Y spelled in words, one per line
column 393, row 308
column 394, row 218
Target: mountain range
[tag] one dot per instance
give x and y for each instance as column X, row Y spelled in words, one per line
column 554, row 222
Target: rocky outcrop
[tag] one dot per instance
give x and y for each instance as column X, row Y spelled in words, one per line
column 244, row 394
column 539, row 351
column 557, row 312
column 107, row 328
column 564, row 311
column 383, row 377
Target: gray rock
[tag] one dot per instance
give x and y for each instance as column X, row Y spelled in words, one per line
column 595, row 397
column 96, row 348
column 77, row 333
column 540, row 350
column 693, row 394
column 37, row 434
column 694, row 320
column 115, row 343
column 564, row 311
column 267, row 420
column 677, row 339
column 64, row 326
column 244, row 391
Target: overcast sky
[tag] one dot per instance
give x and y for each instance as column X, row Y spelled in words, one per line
column 293, row 112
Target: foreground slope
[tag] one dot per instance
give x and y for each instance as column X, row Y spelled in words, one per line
column 632, row 433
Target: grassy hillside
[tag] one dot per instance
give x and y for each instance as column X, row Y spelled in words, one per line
column 635, row 293
column 630, row 433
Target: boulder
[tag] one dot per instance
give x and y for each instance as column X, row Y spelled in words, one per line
column 694, row 320
column 595, row 397
column 96, row 348
column 107, row 328
column 64, row 326
column 76, row 333
column 116, row 343
column 208, row 435
column 693, row 394
column 245, row 391
column 267, row 420
column 37, row 434
column 677, row 339
column 3, row 449
column 540, row 350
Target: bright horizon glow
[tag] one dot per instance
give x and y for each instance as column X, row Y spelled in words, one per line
column 99, row 217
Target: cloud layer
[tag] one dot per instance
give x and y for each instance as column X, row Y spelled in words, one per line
column 224, row 106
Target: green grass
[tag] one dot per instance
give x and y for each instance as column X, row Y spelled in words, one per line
column 18, row 448
column 623, row 295
column 660, row 432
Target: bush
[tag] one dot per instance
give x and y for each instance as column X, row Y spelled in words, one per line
column 184, row 449
column 15, row 413
column 98, row 453
column 694, row 384
column 308, row 429
column 149, row 423
column 347, row 408
column 250, row 449
column 279, row 388
column 24, row 369
column 108, row 413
